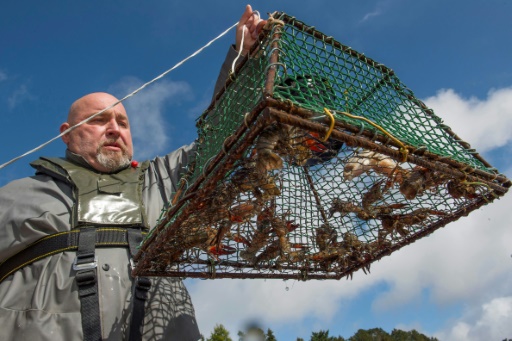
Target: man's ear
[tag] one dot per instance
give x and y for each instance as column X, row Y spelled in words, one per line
column 63, row 127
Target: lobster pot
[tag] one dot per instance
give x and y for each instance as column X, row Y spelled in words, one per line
column 313, row 162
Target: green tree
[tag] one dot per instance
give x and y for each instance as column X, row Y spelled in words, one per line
column 219, row 334
column 337, row 338
column 323, row 335
column 270, row 335
column 413, row 335
column 374, row 334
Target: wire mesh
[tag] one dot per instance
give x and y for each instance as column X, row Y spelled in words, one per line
column 313, row 162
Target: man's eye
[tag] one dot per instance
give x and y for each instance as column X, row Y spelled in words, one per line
column 96, row 120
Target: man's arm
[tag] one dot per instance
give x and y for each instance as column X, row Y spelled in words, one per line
column 165, row 172
column 248, row 28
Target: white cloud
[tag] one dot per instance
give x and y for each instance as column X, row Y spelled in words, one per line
column 19, row 95
column 485, row 124
column 381, row 7
column 234, row 303
column 3, row 76
column 371, row 15
column 492, row 322
column 149, row 130
column 457, row 263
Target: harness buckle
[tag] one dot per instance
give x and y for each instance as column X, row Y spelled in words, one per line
column 85, row 266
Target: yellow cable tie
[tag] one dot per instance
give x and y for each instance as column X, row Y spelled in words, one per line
column 403, row 149
column 476, row 183
column 331, row 128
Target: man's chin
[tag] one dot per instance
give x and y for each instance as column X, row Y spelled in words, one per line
column 112, row 160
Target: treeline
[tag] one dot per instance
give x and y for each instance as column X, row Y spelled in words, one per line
column 220, row 333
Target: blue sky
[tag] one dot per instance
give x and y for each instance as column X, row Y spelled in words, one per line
column 454, row 55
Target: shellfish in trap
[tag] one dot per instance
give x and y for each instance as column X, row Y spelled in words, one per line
column 324, row 163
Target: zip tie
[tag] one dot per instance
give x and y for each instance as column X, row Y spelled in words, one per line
column 119, row 101
column 331, row 128
column 403, row 149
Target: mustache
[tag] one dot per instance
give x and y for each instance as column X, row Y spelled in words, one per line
column 114, row 142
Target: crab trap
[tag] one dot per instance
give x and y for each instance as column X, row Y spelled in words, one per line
column 313, row 162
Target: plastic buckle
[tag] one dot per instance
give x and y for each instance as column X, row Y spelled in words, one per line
column 144, row 283
column 85, row 266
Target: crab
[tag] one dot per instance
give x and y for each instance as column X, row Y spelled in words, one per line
column 399, row 223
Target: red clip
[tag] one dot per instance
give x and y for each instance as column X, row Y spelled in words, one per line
column 134, row 164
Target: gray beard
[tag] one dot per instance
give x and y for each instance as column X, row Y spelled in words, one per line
column 113, row 161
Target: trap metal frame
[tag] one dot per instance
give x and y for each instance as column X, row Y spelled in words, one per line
column 313, row 162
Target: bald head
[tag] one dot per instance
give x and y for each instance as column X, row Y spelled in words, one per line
column 105, row 141
column 92, row 100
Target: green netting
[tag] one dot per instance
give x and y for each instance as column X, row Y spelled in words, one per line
column 343, row 81
column 280, row 189
column 362, row 87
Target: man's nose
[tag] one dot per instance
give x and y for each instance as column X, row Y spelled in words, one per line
column 113, row 129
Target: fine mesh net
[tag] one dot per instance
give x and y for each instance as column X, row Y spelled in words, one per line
column 313, row 162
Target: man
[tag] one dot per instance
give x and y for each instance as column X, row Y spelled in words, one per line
column 68, row 233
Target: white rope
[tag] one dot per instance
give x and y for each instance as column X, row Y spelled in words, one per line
column 119, row 101
column 242, row 43
column 240, row 50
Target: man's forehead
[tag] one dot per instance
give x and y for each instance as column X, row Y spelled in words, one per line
column 99, row 103
column 94, row 103
column 106, row 110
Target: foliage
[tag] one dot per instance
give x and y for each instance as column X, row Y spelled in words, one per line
column 378, row 334
column 220, row 333
column 413, row 335
column 323, row 335
column 270, row 335
column 375, row 334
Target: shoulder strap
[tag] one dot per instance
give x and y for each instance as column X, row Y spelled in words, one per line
column 86, row 276
column 49, row 166
column 140, row 291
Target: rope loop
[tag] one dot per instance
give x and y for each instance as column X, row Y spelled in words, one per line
column 271, row 21
column 226, row 140
column 245, row 120
column 206, row 165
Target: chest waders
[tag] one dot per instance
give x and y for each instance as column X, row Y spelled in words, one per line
column 107, row 212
